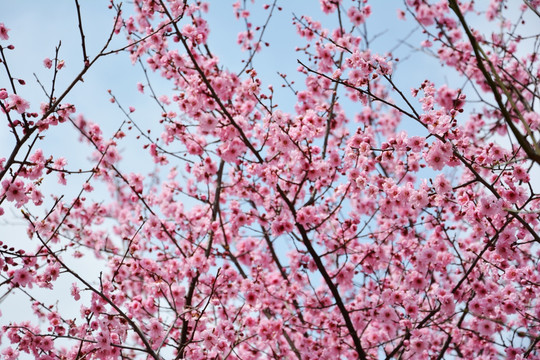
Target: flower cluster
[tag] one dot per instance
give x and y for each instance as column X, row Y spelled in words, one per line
column 329, row 229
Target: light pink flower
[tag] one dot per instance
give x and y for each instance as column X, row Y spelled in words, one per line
column 75, row 292
column 14, row 191
column 47, row 63
column 18, row 103
column 22, row 277
column 3, row 32
column 10, row 354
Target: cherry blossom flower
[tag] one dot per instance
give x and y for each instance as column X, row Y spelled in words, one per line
column 18, row 103
column 22, row 277
column 15, row 191
column 9, row 353
column 47, row 63
column 75, row 291
column 438, row 155
column 3, row 32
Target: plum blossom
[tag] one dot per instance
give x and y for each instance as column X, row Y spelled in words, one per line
column 442, row 185
column 75, row 292
column 22, row 277
column 3, row 32
column 47, row 63
column 15, row 191
column 438, row 155
column 18, row 103
column 281, row 226
column 9, row 353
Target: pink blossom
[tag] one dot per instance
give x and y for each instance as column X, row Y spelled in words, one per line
column 47, row 63
column 46, row 343
column 486, row 327
column 356, row 16
column 418, row 345
column 15, row 191
column 438, row 155
column 280, row 227
column 18, row 103
column 3, row 32
column 75, row 291
column 155, row 328
column 9, row 353
column 387, row 315
column 35, row 194
column 417, row 281
column 22, row 277
column 521, row 174
column 103, row 342
column 442, row 185
column 416, row 143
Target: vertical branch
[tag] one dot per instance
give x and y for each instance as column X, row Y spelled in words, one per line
column 81, row 31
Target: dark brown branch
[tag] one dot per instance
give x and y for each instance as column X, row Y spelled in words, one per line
column 527, row 147
column 83, row 43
